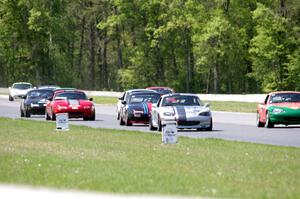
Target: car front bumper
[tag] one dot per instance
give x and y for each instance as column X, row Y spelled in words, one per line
column 288, row 117
column 190, row 123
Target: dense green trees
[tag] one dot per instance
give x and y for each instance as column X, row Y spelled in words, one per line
column 216, row 46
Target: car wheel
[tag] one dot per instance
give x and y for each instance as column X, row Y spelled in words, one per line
column 53, row 116
column 210, row 126
column 258, row 123
column 159, row 126
column 268, row 123
column 22, row 113
column 47, row 116
column 151, row 127
column 128, row 122
column 93, row 117
column 10, row 98
column 27, row 114
column 121, row 121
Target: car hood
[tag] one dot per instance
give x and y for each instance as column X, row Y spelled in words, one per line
column 185, row 111
column 145, row 107
column 73, row 102
column 36, row 100
column 18, row 91
column 292, row 105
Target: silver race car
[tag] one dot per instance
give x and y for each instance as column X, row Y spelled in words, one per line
column 185, row 109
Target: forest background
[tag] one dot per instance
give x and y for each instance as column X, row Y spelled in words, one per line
column 202, row 46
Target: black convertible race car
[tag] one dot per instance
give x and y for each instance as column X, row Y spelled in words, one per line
column 137, row 108
column 34, row 102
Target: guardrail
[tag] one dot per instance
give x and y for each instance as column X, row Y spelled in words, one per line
column 204, row 97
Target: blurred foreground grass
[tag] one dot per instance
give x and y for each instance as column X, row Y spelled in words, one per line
column 104, row 160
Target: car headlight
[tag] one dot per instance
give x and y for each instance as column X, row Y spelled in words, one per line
column 205, row 113
column 277, row 110
column 169, row 114
column 33, row 105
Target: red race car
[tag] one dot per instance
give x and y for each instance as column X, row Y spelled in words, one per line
column 73, row 102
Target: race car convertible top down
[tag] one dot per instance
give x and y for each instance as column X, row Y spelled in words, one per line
column 73, row 102
column 185, row 109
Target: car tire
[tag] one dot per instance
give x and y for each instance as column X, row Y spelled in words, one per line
column 151, row 127
column 210, row 126
column 121, row 121
column 47, row 116
column 22, row 113
column 10, row 98
column 128, row 122
column 268, row 123
column 258, row 123
column 93, row 117
column 159, row 126
column 53, row 116
column 27, row 114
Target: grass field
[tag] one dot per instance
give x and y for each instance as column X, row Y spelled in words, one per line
column 105, row 100
column 115, row 161
column 215, row 105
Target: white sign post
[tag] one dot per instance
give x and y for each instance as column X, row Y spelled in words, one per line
column 62, row 122
column 169, row 133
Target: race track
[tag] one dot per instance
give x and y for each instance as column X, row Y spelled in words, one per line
column 227, row 125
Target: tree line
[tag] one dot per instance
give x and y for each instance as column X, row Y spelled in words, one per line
column 203, row 46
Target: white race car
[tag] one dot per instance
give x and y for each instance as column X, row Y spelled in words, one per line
column 185, row 109
column 18, row 90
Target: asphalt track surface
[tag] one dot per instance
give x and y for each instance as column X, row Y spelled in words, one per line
column 227, row 125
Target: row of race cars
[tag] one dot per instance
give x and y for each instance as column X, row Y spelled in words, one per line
column 51, row 100
column 155, row 106
column 158, row 106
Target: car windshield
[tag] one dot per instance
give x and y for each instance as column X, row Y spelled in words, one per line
column 72, row 95
column 149, row 97
column 181, row 100
column 22, row 86
column 41, row 94
column 285, row 97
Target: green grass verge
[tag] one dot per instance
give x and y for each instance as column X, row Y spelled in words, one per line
column 247, row 107
column 215, row 105
column 105, row 100
column 33, row 153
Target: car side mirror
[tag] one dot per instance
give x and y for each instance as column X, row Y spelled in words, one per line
column 206, row 105
column 91, row 99
column 50, row 98
column 23, row 97
column 120, row 98
column 123, row 102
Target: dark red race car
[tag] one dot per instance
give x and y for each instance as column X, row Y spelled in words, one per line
column 73, row 102
column 161, row 89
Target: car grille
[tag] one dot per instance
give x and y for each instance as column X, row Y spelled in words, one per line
column 188, row 123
